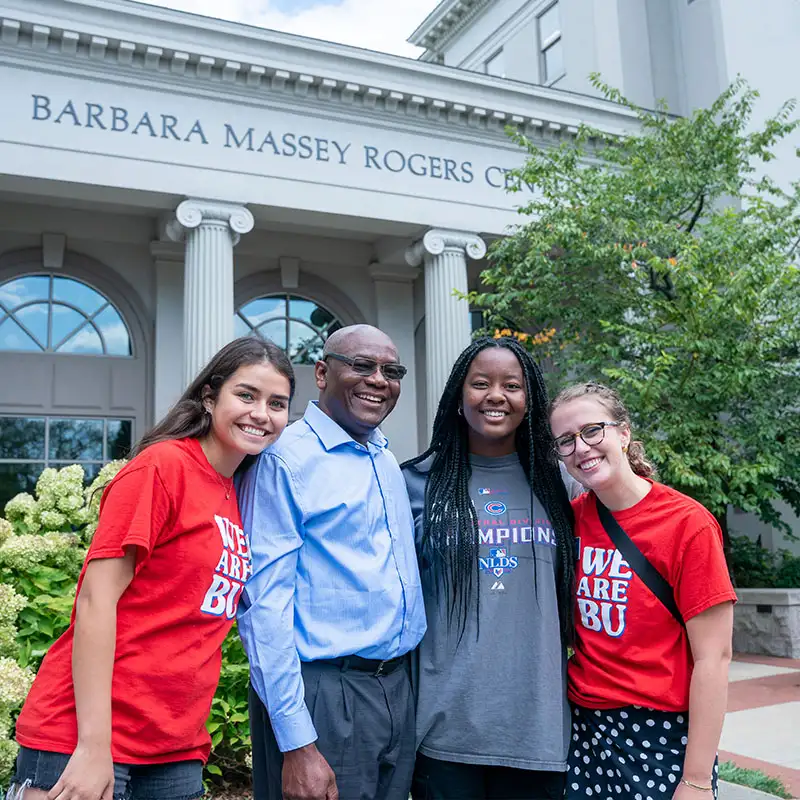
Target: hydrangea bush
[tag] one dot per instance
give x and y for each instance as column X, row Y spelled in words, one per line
column 43, row 541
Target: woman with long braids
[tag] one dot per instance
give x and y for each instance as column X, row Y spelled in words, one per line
column 119, row 705
column 648, row 681
column 494, row 538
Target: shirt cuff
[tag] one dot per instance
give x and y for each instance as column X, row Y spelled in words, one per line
column 294, row 731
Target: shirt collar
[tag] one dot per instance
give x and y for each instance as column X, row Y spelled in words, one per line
column 331, row 434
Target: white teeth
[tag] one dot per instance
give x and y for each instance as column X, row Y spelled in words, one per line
column 591, row 463
column 253, row 431
column 494, row 414
column 370, row 397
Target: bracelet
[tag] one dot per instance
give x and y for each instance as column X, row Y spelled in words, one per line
column 696, row 786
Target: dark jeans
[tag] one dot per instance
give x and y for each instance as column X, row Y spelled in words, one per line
column 177, row 780
column 446, row 780
column 365, row 725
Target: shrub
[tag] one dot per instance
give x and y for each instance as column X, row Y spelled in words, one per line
column 755, row 567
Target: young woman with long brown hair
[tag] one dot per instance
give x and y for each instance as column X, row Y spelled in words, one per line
column 119, row 705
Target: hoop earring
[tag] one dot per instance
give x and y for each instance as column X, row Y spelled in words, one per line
column 460, row 411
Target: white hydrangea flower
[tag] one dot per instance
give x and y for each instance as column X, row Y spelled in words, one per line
column 8, row 640
column 46, row 481
column 70, row 503
column 6, row 530
column 15, row 682
column 18, row 506
column 26, row 551
column 46, row 501
column 11, row 603
column 52, row 520
column 32, row 523
column 8, row 755
column 5, row 725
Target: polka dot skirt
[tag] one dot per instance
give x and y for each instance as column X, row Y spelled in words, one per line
column 633, row 753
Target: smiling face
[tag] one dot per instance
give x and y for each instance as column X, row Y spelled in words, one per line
column 602, row 466
column 494, row 401
column 249, row 413
column 358, row 403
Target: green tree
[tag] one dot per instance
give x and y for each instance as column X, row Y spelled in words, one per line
column 665, row 264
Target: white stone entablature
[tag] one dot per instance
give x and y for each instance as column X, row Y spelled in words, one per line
column 175, row 104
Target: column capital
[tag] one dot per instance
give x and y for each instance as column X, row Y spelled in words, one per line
column 436, row 241
column 194, row 212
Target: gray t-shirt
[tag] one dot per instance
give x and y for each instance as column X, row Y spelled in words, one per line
column 501, row 699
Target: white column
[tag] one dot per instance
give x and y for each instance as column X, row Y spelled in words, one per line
column 447, row 321
column 394, row 303
column 211, row 230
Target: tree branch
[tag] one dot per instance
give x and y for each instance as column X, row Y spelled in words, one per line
column 697, row 213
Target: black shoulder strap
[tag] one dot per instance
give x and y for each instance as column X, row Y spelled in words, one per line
column 638, row 562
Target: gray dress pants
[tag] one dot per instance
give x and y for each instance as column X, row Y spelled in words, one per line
column 365, row 725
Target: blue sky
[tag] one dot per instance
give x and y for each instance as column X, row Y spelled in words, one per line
column 298, row 6
column 382, row 25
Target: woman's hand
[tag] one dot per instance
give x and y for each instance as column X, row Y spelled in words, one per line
column 684, row 792
column 89, row 775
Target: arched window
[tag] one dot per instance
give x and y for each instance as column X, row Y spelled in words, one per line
column 297, row 325
column 52, row 314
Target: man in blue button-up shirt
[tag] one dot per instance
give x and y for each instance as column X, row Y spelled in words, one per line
column 334, row 604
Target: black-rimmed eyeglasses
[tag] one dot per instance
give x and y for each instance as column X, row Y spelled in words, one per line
column 367, row 366
column 593, row 433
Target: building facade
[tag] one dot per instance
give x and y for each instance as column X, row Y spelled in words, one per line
column 170, row 181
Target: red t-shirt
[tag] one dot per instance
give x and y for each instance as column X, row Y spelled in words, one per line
column 629, row 649
column 191, row 562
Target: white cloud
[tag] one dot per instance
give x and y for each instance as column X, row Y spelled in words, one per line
column 381, row 25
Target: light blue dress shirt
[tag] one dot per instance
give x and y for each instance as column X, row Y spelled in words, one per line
column 334, row 565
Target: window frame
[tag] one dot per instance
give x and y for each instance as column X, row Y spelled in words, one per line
column 8, row 312
column 59, row 463
column 553, row 40
column 287, row 297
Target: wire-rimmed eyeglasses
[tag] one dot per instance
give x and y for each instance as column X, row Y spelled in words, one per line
column 366, row 366
column 591, row 434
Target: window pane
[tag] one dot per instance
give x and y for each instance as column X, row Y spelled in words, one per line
column 86, row 340
column 77, row 294
column 496, row 65
column 118, row 342
column 21, row 437
column 23, row 290
column 275, row 331
column 65, row 322
column 34, row 318
column 240, row 327
column 553, row 62
column 76, row 439
column 12, row 337
column 16, row 478
column 302, row 309
column 305, row 344
column 549, row 23
column 119, row 436
column 263, row 309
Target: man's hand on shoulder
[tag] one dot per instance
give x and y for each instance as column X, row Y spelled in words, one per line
column 307, row 775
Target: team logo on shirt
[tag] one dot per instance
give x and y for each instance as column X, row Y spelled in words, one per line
column 498, row 562
column 492, row 491
column 495, row 508
column 234, row 567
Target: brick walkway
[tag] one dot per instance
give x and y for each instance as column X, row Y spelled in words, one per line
column 762, row 727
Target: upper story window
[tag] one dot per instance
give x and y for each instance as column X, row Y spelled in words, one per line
column 495, row 65
column 45, row 313
column 297, row 325
column 551, row 48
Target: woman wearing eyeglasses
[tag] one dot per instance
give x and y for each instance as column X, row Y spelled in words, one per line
column 648, row 681
column 494, row 538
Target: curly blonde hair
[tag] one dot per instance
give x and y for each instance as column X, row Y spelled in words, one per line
column 609, row 398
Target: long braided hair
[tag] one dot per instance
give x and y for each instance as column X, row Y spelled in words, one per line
column 450, row 541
